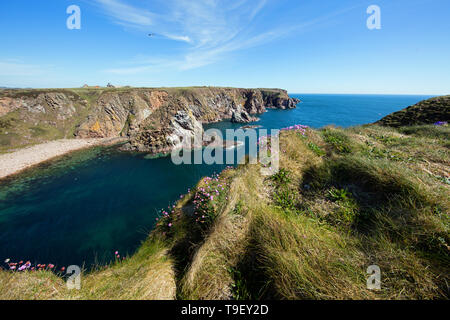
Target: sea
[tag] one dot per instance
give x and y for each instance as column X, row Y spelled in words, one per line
column 83, row 207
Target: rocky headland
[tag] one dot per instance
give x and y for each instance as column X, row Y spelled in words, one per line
column 153, row 120
column 429, row 111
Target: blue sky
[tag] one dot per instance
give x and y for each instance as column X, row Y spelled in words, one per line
column 304, row 46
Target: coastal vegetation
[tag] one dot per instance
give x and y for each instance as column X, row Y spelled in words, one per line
column 343, row 200
column 425, row 112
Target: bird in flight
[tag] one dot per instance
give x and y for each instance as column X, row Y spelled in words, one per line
column 151, row 35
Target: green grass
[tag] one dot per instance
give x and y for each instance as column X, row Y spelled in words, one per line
column 316, row 149
column 357, row 211
column 337, row 139
column 308, row 232
column 439, row 132
column 148, row 274
column 281, row 178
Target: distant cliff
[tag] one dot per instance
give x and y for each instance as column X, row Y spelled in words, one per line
column 153, row 120
column 425, row 112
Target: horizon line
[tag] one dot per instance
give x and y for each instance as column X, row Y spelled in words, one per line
column 205, row 86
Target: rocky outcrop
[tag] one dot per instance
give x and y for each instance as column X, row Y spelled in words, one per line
column 203, row 105
column 184, row 126
column 153, row 120
column 241, row 115
column 8, row 105
column 278, row 101
column 59, row 104
column 115, row 113
column 425, row 112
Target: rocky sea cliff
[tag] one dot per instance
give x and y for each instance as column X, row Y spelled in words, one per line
column 153, row 120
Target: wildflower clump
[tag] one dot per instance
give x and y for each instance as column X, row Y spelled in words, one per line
column 166, row 220
column 209, row 199
column 22, row 266
column 298, row 128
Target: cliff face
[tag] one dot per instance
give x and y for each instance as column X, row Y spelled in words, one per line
column 154, row 120
column 185, row 111
column 425, row 112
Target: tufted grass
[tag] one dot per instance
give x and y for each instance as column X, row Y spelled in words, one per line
column 371, row 196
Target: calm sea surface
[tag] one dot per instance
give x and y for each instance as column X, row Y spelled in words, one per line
column 83, row 207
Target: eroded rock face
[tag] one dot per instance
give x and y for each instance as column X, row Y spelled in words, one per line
column 8, row 105
column 154, row 120
column 55, row 103
column 279, row 101
column 240, row 115
column 255, row 102
column 58, row 103
column 185, row 126
column 117, row 113
column 186, row 109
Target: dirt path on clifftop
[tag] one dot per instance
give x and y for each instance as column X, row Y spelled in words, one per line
column 15, row 162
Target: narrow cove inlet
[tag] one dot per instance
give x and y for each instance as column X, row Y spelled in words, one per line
column 83, row 207
column 224, row 159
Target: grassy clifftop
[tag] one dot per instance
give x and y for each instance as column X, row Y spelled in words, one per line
column 342, row 201
column 425, row 112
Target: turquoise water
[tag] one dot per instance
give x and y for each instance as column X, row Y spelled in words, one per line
column 83, row 207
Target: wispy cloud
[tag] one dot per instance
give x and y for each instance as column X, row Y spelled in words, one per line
column 178, row 38
column 210, row 28
column 123, row 13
